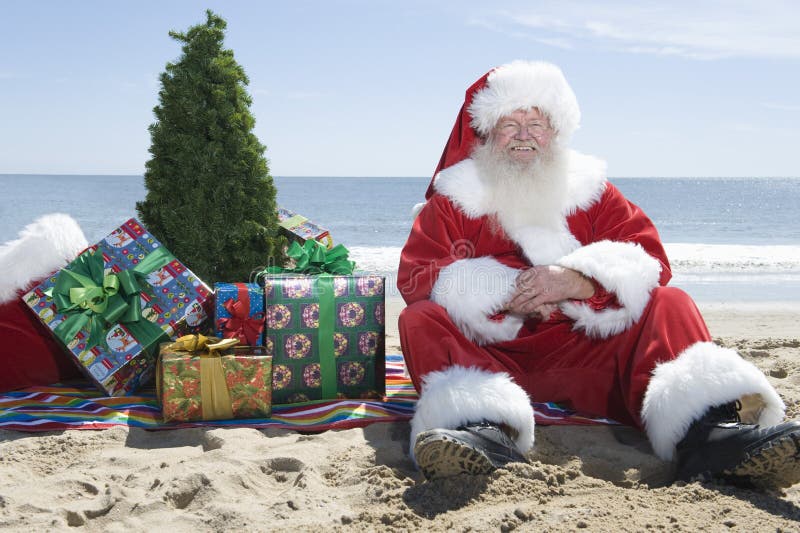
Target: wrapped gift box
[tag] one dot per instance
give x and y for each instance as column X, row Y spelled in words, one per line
column 326, row 335
column 113, row 305
column 301, row 229
column 239, row 312
column 200, row 378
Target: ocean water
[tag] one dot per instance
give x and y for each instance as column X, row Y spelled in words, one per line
column 728, row 239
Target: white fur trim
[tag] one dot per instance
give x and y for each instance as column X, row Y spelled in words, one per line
column 623, row 268
column 462, row 184
column 599, row 324
column 416, row 209
column 586, row 180
column 702, row 376
column 472, row 290
column 525, row 85
column 43, row 247
column 544, row 246
column 457, row 395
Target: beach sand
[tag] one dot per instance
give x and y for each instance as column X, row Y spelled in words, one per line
column 593, row 478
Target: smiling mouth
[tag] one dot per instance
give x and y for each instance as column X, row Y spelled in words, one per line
column 523, row 148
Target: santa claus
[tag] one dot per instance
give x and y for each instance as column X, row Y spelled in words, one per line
column 528, row 275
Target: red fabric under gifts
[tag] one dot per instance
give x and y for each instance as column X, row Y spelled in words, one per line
column 29, row 354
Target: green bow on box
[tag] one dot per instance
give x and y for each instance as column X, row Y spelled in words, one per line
column 323, row 264
column 95, row 301
column 313, row 258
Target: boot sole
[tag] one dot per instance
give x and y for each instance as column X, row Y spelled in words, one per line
column 776, row 464
column 440, row 456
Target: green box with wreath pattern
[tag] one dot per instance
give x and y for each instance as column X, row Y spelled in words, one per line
column 326, row 336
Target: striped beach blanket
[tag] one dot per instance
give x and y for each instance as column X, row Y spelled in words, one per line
column 81, row 406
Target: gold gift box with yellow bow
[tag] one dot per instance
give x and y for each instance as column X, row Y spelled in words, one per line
column 206, row 378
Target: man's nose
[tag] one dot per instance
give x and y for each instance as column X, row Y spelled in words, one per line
column 524, row 134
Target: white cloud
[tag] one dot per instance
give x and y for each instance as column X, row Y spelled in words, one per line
column 556, row 42
column 501, row 25
column 706, row 29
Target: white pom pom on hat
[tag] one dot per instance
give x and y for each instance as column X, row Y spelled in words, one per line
column 525, row 85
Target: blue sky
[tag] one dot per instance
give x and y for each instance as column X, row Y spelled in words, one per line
column 371, row 88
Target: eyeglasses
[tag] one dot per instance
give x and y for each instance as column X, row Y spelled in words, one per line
column 512, row 129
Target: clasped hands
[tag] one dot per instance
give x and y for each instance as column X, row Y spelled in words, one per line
column 541, row 288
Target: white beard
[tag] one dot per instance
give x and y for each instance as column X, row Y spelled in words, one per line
column 525, row 194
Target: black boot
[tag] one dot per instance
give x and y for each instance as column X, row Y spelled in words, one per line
column 474, row 449
column 719, row 446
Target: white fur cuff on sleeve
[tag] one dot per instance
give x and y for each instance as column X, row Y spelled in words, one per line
column 472, row 290
column 623, row 268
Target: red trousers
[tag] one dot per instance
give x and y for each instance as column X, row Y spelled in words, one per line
column 603, row 377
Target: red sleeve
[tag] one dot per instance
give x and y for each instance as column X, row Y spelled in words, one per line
column 433, row 244
column 617, row 219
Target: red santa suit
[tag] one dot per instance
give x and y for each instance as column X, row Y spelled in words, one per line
column 637, row 351
column 29, row 354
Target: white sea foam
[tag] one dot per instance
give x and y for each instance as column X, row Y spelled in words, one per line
column 719, row 261
column 376, row 258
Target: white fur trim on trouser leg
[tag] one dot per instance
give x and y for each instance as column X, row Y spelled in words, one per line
column 702, row 376
column 43, row 246
column 457, row 395
column 472, row 290
column 623, row 268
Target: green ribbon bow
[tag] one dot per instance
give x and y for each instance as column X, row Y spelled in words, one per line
column 96, row 301
column 313, row 258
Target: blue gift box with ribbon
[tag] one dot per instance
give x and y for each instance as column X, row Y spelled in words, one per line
column 239, row 312
column 113, row 305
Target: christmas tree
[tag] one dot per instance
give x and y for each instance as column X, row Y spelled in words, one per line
column 210, row 197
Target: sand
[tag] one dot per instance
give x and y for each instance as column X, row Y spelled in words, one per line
column 592, row 478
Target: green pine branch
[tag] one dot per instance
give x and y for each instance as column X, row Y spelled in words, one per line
column 210, row 197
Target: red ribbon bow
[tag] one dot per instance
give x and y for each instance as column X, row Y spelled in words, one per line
column 241, row 325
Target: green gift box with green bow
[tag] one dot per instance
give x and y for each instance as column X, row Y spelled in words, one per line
column 112, row 306
column 325, row 327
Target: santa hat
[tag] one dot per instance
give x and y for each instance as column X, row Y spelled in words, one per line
column 29, row 354
column 503, row 90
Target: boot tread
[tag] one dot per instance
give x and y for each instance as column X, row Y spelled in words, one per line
column 440, row 456
column 776, row 464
